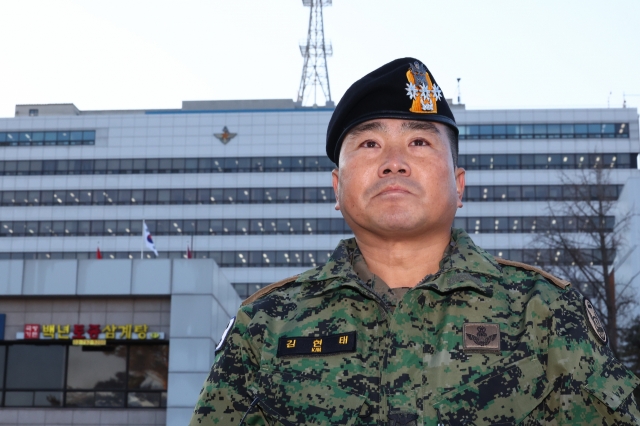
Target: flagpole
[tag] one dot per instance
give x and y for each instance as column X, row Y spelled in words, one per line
column 192, row 246
column 142, row 242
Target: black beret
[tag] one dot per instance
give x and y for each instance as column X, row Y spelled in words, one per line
column 403, row 88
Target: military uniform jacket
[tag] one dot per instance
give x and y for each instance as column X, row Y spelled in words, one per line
column 481, row 342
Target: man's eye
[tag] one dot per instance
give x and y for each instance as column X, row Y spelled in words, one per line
column 369, row 144
column 419, row 142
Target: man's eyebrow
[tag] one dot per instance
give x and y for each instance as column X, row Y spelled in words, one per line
column 420, row 125
column 367, row 126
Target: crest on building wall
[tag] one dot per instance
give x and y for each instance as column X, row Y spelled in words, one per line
column 225, row 136
column 422, row 91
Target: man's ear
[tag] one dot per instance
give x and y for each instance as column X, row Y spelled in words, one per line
column 460, row 184
column 334, row 180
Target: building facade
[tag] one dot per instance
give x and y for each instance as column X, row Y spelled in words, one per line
column 125, row 342
column 627, row 264
column 244, row 185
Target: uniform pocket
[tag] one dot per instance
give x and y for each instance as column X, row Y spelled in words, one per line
column 613, row 385
column 289, row 400
column 502, row 397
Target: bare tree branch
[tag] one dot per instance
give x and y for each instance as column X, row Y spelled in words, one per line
column 583, row 247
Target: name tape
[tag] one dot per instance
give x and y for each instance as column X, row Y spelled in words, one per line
column 322, row 345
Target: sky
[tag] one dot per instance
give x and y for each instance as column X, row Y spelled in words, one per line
column 139, row 54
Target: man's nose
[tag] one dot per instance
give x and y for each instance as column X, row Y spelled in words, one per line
column 395, row 163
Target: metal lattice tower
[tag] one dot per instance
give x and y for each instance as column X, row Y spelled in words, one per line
column 315, row 52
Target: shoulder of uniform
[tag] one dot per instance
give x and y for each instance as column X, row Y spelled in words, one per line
column 268, row 289
column 553, row 279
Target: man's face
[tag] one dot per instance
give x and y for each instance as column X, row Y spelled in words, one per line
column 396, row 178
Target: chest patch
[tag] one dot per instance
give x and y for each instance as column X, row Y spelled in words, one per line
column 481, row 337
column 595, row 323
column 324, row 345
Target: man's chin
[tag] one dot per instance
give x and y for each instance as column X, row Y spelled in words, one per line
column 401, row 227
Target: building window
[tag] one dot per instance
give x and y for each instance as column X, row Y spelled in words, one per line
column 258, row 195
column 305, row 258
column 72, row 228
column 33, row 113
column 34, row 376
column 262, row 164
column 544, row 131
column 112, row 376
column 71, row 137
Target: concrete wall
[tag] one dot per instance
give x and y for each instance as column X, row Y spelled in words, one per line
column 73, row 277
column 200, row 310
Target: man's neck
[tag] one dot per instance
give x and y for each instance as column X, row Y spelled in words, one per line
column 403, row 263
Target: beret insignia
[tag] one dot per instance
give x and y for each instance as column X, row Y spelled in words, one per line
column 595, row 323
column 422, row 91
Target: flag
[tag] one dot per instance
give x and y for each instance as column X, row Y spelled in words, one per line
column 149, row 240
column 98, row 253
column 189, row 253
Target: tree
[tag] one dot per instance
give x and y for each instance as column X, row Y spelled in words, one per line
column 582, row 240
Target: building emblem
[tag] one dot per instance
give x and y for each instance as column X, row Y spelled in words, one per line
column 421, row 90
column 225, row 136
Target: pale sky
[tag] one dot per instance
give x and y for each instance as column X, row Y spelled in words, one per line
column 139, row 54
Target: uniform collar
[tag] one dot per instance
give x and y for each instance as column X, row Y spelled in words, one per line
column 337, row 272
column 464, row 266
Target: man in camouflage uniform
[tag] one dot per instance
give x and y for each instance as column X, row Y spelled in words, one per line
column 478, row 340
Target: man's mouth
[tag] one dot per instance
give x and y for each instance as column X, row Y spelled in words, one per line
column 394, row 189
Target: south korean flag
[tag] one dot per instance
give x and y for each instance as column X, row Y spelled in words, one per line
column 148, row 239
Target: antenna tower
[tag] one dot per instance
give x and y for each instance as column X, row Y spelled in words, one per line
column 315, row 52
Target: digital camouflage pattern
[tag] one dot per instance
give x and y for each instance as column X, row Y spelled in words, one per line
column 409, row 366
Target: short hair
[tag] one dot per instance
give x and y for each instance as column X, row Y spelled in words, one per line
column 453, row 144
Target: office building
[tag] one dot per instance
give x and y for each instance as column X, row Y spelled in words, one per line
column 244, row 188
